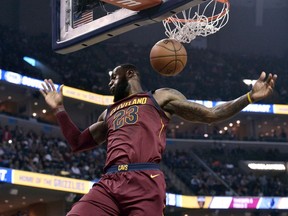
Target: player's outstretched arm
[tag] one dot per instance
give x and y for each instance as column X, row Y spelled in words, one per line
column 78, row 140
column 176, row 103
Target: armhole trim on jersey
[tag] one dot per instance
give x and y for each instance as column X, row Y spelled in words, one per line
column 150, row 93
column 107, row 113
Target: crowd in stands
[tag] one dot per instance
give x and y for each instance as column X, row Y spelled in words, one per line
column 208, row 75
column 222, row 174
column 26, row 150
column 213, row 133
column 38, row 153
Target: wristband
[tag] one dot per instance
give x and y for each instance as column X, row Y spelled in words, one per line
column 249, row 98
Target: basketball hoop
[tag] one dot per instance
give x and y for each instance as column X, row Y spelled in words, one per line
column 188, row 24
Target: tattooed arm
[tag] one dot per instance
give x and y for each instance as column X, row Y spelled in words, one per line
column 173, row 102
column 180, row 106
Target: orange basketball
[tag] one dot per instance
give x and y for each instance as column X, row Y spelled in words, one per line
column 168, row 57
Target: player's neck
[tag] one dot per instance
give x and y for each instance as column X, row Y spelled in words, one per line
column 135, row 89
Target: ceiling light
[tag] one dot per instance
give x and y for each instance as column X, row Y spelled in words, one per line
column 249, row 81
column 14, row 191
column 30, row 61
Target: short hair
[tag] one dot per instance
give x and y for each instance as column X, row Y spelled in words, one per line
column 128, row 66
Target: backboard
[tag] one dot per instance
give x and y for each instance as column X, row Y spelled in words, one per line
column 77, row 24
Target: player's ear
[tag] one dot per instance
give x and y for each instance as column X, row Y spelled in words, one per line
column 130, row 73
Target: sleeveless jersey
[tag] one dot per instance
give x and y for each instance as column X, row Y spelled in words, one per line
column 136, row 130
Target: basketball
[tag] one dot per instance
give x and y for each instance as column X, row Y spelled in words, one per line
column 168, row 57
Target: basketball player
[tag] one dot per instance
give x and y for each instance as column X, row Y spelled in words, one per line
column 134, row 128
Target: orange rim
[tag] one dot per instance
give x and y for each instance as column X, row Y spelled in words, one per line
column 224, row 12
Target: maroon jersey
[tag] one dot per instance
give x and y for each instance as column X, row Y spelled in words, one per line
column 136, row 130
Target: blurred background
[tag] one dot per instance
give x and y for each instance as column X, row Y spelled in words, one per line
column 200, row 160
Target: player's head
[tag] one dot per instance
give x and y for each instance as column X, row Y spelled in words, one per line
column 121, row 80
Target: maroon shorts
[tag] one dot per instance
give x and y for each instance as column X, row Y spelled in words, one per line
column 129, row 193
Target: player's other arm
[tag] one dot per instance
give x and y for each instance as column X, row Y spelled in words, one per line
column 176, row 103
column 82, row 140
column 78, row 140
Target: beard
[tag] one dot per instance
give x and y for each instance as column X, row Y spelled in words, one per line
column 121, row 90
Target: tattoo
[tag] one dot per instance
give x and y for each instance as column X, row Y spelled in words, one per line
column 231, row 108
column 198, row 113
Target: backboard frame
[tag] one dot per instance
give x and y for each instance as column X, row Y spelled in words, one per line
column 65, row 39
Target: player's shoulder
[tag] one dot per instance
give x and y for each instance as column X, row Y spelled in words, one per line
column 164, row 95
column 167, row 92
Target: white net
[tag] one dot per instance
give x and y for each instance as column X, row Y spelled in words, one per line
column 187, row 25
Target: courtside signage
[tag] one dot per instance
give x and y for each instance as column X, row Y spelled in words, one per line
column 18, row 79
column 196, row 201
column 244, row 203
column 50, row 182
column 269, row 203
column 280, row 109
column 226, row 202
column 221, row 202
column 87, row 96
column 259, row 108
column 12, row 77
column 282, row 203
column 5, row 175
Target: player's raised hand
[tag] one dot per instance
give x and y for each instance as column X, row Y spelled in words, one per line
column 263, row 87
column 53, row 98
